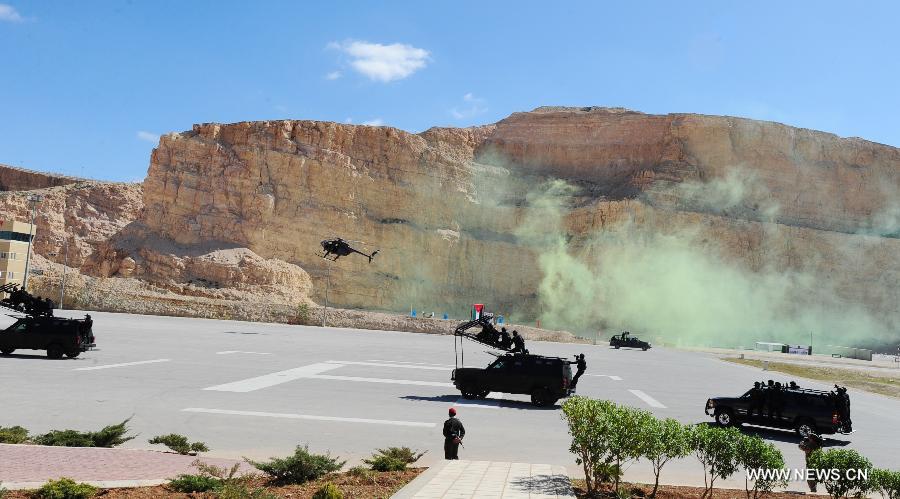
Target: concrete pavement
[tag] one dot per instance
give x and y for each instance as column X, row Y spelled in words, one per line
column 489, row 480
column 258, row 390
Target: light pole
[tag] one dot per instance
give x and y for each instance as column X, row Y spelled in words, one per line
column 34, row 199
column 62, row 285
column 327, row 282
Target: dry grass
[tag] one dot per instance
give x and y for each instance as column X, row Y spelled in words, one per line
column 881, row 383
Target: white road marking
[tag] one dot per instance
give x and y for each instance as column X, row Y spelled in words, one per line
column 267, row 380
column 378, row 380
column 124, row 364
column 652, row 402
column 379, row 364
column 309, row 417
column 229, row 352
column 614, row 378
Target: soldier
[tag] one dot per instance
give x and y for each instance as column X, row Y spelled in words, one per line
column 810, row 444
column 505, row 339
column 581, row 366
column 518, row 342
column 777, row 400
column 88, row 322
column 757, row 399
column 453, row 435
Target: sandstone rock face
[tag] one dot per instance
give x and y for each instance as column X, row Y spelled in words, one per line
column 489, row 214
column 22, row 179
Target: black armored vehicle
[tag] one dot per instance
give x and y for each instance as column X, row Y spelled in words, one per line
column 58, row 336
column 546, row 379
column 627, row 341
column 788, row 407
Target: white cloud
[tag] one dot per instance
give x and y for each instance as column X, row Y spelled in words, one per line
column 9, row 13
column 147, row 136
column 472, row 106
column 383, row 62
column 374, row 122
column 334, row 75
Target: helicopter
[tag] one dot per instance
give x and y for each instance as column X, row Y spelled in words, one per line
column 338, row 247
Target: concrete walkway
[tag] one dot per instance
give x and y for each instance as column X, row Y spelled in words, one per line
column 489, row 480
column 30, row 466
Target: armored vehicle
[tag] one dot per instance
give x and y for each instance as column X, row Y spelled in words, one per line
column 546, row 379
column 790, row 407
column 626, row 340
column 57, row 335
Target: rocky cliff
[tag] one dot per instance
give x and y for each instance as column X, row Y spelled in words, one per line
column 492, row 214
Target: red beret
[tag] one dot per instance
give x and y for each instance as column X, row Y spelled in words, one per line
column 452, row 411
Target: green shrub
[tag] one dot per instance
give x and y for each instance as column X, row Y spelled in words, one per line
column 112, row 435
column 194, row 483
column 108, row 436
column 179, row 443
column 328, row 491
column 300, row 467
column 65, row 488
column 586, row 419
column 65, row 438
column 393, row 459
column 303, row 313
column 886, row 482
column 13, row 435
column 756, row 454
column 662, row 441
column 624, row 435
column 362, row 472
column 2, row 491
column 841, row 484
column 717, row 449
column 239, row 490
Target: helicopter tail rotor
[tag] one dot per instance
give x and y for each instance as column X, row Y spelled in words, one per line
column 372, row 255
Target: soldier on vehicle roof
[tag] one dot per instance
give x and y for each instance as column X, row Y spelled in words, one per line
column 505, row 339
column 757, row 399
column 518, row 342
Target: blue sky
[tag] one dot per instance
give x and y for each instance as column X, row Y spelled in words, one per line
column 86, row 87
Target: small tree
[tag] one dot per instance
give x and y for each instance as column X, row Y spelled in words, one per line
column 13, row 435
column 300, row 467
column 625, row 437
column 842, row 471
column 887, row 482
column 179, row 444
column 662, row 441
column 756, row 454
column 588, row 422
column 716, row 448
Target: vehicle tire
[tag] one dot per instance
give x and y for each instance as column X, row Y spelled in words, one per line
column 541, row 397
column 72, row 354
column 804, row 427
column 55, row 351
column 482, row 394
column 644, row 348
column 725, row 418
column 7, row 351
column 616, row 347
column 470, row 392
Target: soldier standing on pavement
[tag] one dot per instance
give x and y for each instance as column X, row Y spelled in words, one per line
column 453, row 435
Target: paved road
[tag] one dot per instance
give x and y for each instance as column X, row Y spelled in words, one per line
column 256, row 390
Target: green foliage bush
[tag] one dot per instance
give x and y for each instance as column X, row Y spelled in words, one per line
column 328, row 491
column 65, row 488
column 362, row 472
column 13, row 435
column 662, row 441
column 842, row 460
column 605, row 436
column 108, row 436
column 393, row 459
column 2, row 491
column 300, row 467
column 179, row 443
column 194, row 483
column 886, row 482
column 240, row 490
column 717, row 450
column 756, row 454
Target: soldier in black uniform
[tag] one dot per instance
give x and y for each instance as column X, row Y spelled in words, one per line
column 757, row 399
column 518, row 342
column 453, row 435
column 505, row 339
column 581, row 366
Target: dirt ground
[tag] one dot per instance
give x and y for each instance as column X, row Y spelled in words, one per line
column 378, row 486
column 675, row 492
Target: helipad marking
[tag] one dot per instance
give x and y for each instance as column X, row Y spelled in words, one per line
column 614, row 378
column 308, row 417
column 229, row 352
column 394, row 365
column 124, row 364
column 267, row 380
column 412, row 363
column 378, row 380
column 652, row 402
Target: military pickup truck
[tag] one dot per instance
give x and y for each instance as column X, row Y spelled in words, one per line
column 58, row 336
column 625, row 340
column 546, row 379
column 803, row 410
